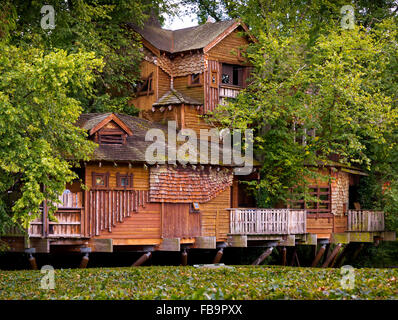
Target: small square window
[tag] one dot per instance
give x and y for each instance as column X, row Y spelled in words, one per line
column 194, row 79
column 100, row 180
column 124, row 180
column 194, row 207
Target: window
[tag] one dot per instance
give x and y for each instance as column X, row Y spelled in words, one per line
column 100, row 180
column 145, row 88
column 194, row 207
column 194, row 80
column 232, row 74
column 322, row 206
column 124, row 180
column 111, row 139
column 214, row 79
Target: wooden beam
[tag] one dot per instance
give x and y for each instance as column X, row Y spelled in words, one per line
column 332, row 255
column 262, row 257
column 205, row 242
column 170, row 244
column 339, row 257
column 101, row 245
column 318, row 256
column 142, row 259
column 239, row 241
column 218, row 256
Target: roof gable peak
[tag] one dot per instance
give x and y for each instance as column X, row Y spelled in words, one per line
column 112, row 117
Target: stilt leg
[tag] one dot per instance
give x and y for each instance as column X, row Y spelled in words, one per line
column 85, row 259
column 331, row 256
column 218, row 256
column 184, row 257
column 284, row 253
column 262, row 257
column 142, row 259
column 318, row 256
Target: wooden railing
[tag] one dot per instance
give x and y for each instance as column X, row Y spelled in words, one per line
column 69, row 216
column 228, row 92
column 267, row 221
column 365, row 220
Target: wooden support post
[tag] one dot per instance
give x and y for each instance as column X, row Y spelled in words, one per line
column 85, row 259
column 218, row 256
column 293, row 257
column 284, row 252
column 262, row 257
column 32, row 259
column 184, row 257
column 356, row 253
column 339, row 253
column 327, row 253
column 332, row 255
column 297, row 259
column 142, row 259
column 318, row 256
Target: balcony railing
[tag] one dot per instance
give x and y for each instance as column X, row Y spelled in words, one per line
column 267, row 221
column 365, row 220
column 226, row 92
column 69, row 217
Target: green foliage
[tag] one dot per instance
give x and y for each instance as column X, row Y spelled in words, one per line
column 38, row 135
column 91, row 26
column 175, row 283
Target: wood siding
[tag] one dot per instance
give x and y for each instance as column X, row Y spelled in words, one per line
column 140, row 174
column 211, row 92
column 227, row 49
column 178, row 222
column 145, row 102
column 195, row 92
column 215, row 217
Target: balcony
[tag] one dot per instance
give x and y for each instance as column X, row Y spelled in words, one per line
column 245, row 221
column 227, row 92
column 365, row 220
column 69, row 216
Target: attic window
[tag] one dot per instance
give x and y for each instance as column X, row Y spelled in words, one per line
column 194, row 79
column 111, row 139
column 100, row 180
column 145, row 88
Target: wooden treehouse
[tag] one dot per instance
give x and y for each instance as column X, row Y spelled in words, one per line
column 139, row 206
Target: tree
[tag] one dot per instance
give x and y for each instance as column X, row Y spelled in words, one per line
column 99, row 26
column 333, row 83
column 39, row 143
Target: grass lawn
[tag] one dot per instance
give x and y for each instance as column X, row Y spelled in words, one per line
column 241, row 282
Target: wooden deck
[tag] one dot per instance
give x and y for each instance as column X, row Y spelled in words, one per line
column 244, row 221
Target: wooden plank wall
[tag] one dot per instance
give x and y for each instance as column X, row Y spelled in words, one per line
column 140, row 174
column 226, row 50
column 178, row 222
column 211, row 93
column 214, row 217
column 145, row 102
column 196, row 92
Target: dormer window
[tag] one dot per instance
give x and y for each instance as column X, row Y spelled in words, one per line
column 110, row 131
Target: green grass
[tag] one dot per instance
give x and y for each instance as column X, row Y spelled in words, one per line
column 241, row 282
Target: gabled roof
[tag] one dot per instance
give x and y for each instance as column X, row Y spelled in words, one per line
column 188, row 38
column 135, row 147
column 106, row 120
column 173, row 97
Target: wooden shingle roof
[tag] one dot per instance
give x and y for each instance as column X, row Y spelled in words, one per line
column 183, row 39
column 173, row 97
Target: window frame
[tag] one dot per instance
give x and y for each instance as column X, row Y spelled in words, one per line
column 128, row 176
column 105, row 177
column 195, row 84
column 146, row 81
column 317, row 212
